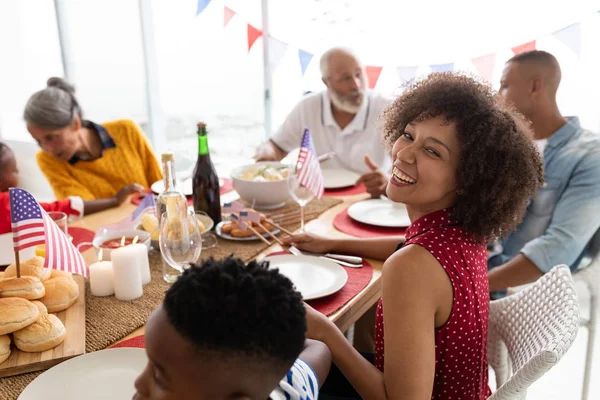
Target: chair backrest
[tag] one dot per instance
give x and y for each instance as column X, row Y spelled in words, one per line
column 531, row 330
column 31, row 177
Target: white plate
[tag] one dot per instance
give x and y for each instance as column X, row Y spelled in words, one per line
column 314, row 277
column 337, row 178
column 184, row 187
column 105, row 374
column 241, row 239
column 380, row 213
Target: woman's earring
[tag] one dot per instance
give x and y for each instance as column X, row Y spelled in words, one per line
column 460, row 192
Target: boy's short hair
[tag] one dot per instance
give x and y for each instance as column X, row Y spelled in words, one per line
column 231, row 309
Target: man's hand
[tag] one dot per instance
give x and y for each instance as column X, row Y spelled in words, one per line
column 268, row 152
column 375, row 181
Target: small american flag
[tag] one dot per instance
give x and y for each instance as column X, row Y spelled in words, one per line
column 233, row 207
column 238, row 221
column 31, row 226
column 308, row 167
column 148, row 205
column 251, row 216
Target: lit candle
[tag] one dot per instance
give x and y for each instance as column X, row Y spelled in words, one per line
column 101, row 277
column 143, row 261
column 126, row 273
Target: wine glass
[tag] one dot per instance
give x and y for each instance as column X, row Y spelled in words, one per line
column 209, row 240
column 180, row 243
column 300, row 193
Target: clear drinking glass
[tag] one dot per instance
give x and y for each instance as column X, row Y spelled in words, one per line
column 209, row 239
column 180, row 243
column 300, row 194
column 60, row 219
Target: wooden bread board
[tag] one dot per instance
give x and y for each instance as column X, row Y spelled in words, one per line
column 73, row 318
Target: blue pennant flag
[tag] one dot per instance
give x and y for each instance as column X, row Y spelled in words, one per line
column 305, row 58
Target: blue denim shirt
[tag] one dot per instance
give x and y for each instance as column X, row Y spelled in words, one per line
column 565, row 213
column 107, row 141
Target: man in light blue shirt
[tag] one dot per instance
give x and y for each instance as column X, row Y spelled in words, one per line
column 565, row 214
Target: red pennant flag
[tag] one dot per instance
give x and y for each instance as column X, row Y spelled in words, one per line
column 229, row 13
column 253, row 34
column 485, row 66
column 373, row 75
column 529, row 46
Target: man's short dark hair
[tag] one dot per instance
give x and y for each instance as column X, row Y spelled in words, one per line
column 535, row 55
column 233, row 309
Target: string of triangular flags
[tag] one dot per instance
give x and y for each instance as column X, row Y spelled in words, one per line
column 570, row 36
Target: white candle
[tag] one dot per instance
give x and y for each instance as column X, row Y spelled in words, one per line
column 126, row 273
column 101, row 278
column 143, row 261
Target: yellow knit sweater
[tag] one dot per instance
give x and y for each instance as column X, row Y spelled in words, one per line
column 131, row 161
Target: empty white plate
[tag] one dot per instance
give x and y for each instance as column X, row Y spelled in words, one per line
column 313, row 277
column 105, row 374
column 380, row 213
column 337, row 178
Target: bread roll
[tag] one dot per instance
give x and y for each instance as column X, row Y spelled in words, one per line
column 25, row 287
column 41, row 307
column 32, row 267
column 16, row 313
column 54, row 273
column 44, row 334
column 4, row 348
column 61, row 293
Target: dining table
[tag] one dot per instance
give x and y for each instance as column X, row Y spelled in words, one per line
column 323, row 225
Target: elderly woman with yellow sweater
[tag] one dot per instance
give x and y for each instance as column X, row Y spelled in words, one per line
column 82, row 158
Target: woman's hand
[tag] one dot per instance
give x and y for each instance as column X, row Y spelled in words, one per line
column 126, row 191
column 318, row 326
column 310, row 242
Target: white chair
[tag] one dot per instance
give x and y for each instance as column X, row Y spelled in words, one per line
column 530, row 331
column 31, row 177
column 591, row 277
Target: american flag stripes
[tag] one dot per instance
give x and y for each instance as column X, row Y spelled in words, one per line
column 31, row 226
column 148, row 205
column 308, row 167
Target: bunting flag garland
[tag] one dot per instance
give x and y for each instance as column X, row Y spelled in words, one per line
column 485, row 66
column 227, row 15
column 202, row 5
column 373, row 73
column 406, row 74
column 277, row 50
column 570, row 37
column 529, row 46
column 253, row 35
column 305, row 58
column 442, row 67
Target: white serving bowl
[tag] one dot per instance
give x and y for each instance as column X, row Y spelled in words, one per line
column 261, row 195
column 205, row 219
column 143, row 237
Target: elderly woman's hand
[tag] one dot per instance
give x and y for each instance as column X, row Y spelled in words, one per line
column 126, row 191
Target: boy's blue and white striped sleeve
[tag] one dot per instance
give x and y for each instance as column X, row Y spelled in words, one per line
column 300, row 383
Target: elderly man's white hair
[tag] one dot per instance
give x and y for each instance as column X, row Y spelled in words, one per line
column 324, row 62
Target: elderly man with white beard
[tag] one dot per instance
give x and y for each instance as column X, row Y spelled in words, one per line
column 343, row 119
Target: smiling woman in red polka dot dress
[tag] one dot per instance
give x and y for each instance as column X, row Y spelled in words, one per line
column 465, row 167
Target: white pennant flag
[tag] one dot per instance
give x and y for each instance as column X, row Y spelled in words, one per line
column 277, row 50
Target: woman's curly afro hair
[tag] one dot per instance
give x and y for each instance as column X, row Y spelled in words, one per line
column 500, row 168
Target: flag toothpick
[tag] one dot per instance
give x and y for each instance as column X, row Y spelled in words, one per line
column 18, row 263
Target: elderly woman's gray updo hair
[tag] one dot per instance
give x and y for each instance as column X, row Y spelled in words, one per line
column 54, row 107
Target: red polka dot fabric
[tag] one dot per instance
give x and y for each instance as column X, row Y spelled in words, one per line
column 461, row 368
